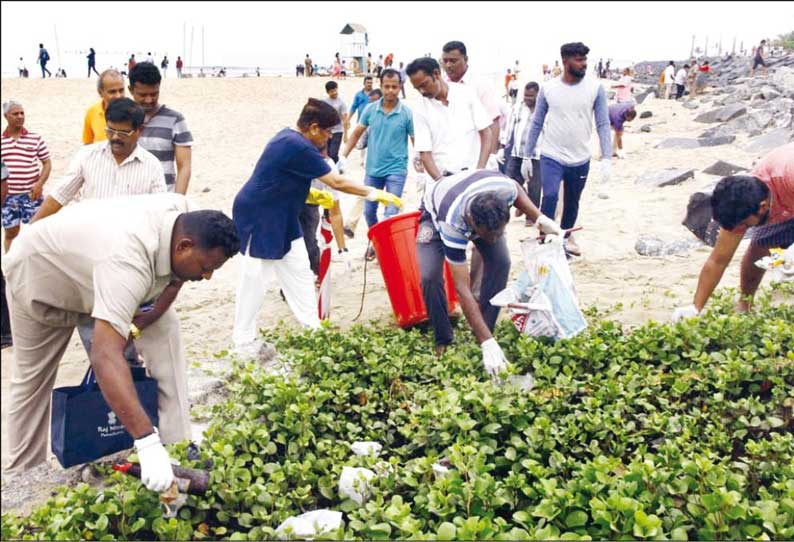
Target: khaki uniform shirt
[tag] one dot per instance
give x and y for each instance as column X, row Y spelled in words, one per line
column 98, row 257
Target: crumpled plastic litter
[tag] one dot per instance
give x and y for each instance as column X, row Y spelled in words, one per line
column 775, row 265
column 354, row 484
column 309, row 524
column 366, row 448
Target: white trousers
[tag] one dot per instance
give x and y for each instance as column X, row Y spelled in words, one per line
column 257, row 275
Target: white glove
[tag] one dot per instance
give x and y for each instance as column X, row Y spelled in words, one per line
column 348, row 261
column 548, row 226
column 493, row 359
column 788, row 257
column 606, row 169
column 500, row 156
column 418, row 166
column 156, row 472
column 492, row 163
column 526, row 169
column 620, row 154
column 341, row 164
column 685, row 312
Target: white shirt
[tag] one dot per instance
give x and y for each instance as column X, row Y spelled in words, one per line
column 450, row 132
column 669, row 75
column 95, row 174
column 21, row 65
column 680, row 77
column 150, row 59
column 520, row 116
column 485, row 92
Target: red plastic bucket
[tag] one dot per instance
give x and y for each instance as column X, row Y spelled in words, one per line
column 394, row 241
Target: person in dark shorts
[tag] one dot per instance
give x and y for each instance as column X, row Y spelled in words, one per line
column 758, row 59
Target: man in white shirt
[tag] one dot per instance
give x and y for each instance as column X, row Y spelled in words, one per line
column 680, row 81
column 669, row 79
column 452, row 130
column 456, row 70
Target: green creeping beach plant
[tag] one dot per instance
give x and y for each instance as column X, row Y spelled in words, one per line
column 661, row 432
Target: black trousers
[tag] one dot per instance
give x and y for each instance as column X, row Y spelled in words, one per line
column 533, row 188
column 6, row 318
column 309, row 219
column 333, row 146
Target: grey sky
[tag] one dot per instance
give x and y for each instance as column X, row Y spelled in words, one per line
column 279, row 34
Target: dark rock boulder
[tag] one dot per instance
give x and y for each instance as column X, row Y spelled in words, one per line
column 723, row 114
column 646, row 115
column 723, row 169
column 666, row 177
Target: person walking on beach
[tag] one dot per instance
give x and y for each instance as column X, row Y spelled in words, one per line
column 619, row 114
column 149, row 58
column 762, row 200
column 522, row 168
column 669, row 80
column 179, row 67
column 389, row 124
column 27, row 158
column 22, row 69
column 266, row 211
column 165, row 132
column 758, row 58
column 44, row 57
column 110, row 86
column 91, row 56
column 164, row 65
column 131, row 62
column 556, row 70
column 103, row 259
column 456, row 69
column 339, row 131
column 566, row 107
column 680, row 81
column 360, row 101
column 308, row 64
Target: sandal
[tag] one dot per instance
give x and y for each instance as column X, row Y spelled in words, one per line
column 370, row 255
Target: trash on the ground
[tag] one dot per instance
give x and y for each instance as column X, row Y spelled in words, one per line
column 366, row 448
column 775, row 265
column 354, row 484
column 522, row 382
column 309, row 524
column 441, row 468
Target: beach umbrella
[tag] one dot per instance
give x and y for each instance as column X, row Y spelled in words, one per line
column 324, row 301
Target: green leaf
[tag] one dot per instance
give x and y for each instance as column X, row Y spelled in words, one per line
column 446, row 531
column 577, row 518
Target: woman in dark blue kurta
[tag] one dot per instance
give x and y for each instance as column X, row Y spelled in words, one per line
column 266, row 215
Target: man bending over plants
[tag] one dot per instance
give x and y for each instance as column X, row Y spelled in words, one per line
column 765, row 200
column 470, row 206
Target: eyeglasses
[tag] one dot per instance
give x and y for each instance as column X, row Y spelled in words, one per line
column 110, row 132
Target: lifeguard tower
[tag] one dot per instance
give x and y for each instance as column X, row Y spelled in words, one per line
column 354, row 43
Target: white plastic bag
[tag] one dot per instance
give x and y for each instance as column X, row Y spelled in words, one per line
column 775, row 265
column 310, row 524
column 364, row 448
column 354, row 484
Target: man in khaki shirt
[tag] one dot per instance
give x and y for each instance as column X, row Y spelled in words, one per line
column 102, row 259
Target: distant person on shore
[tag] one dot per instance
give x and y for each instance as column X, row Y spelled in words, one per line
column 669, row 80
column 456, row 69
column 131, row 62
column 91, row 56
column 257, row 72
column 338, row 131
column 403, row 79
column 565, row 111
column 299, row 70
column 600, row 68
column 165, row 132
column 512, row 90
column 619, row 114
column 691, row 77
column 149, row 58
column 680, row 81
column 110, row 87
column 307, row 62
column 22, row 69
column 266, row 211
column 336, row 71
column 389, row 125
column 703, row 76
column 27, row 158
column 758, row 58
column 60, row 73
column 179, row 67
column 360, row 101
column 522, row 168
column 44, row 57
column 556, row 70
column 763, row 200
column 508, row 78
column 164, row 65
column 648, row 70
column 624, row 88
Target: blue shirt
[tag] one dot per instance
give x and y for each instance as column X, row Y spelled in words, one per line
column 266, row 209
column 387, row 140
column 360, row 101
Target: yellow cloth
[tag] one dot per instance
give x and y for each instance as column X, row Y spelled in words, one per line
column 322, row 198
column 94, row 125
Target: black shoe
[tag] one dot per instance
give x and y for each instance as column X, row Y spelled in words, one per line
column 6, row 341
column 349, row 233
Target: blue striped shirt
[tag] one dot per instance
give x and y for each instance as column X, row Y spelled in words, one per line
column 448, row 202
column 165, row 130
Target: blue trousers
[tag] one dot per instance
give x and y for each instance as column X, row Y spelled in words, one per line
column 393, row 184
column 552, row 174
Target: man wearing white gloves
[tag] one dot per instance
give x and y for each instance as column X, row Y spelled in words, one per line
column 765, row 200
column 470, row 206
column 565, row 110
column 102, row 259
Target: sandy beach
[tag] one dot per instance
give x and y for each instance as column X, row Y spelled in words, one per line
column 231, row 121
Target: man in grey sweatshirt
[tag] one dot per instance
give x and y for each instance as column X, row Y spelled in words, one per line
column 567, row 105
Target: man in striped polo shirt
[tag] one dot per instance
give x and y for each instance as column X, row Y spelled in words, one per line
column 165, row 132
column 27, row 158
column 470, row 206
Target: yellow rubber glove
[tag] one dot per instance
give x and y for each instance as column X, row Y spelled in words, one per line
column 386, row 198
column 323, row 198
